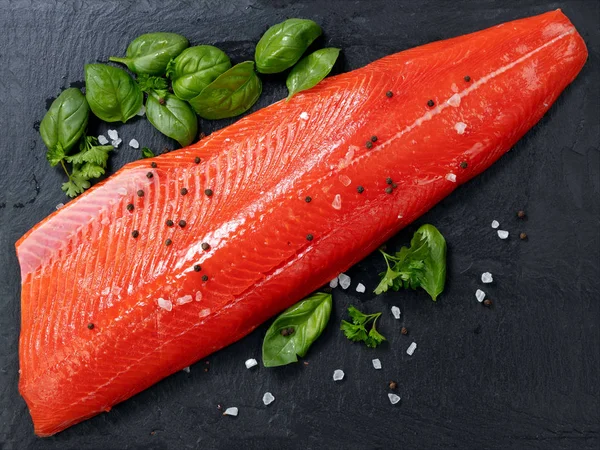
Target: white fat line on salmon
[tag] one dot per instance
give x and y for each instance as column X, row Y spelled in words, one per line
column 454, row 100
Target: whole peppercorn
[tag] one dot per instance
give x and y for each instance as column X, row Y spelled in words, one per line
column 197, row 268
column 464, row 165
column 430, row 103
column 308, row 199
column 487, row 302
column 153, row 165
column 169, row 222
column 197, row 160
column 208, row 192
column 130, row 207
column 389, row 94
column 90, row 326
column 205, row 246
column 467, row 78
column 523, row 236
column 393, row 385
column 389, row 190
column 521, row 214
column 404, row 331
column 360, row 189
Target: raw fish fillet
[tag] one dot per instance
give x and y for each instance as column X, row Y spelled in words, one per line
column 157, row 308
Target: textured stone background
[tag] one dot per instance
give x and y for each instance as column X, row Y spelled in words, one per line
column 523, row 374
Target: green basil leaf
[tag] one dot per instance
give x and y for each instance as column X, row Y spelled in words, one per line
column 150, row 53
column 283, row 44
column 195, row 68
column 311, row 70
column 307, row 319
column 173, row 117
column 429, row 247
column 64, row 123
column 231, row 94
column 111, row 93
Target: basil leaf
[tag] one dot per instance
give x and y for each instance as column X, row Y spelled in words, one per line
column 173, row 118
column 307, row 319
column 283, row 44
column 231, row 94
column 311, row 70
column 150, row 53
column 429, row 247
column 64, row 124
column 111, row 93
column 195, row 68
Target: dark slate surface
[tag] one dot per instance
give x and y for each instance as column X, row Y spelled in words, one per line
column 523, row 374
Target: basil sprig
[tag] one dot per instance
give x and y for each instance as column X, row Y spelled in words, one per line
column 311, row 70
column 64, row 124
column 283, row 44
column 294, row 331
column 231, row 94
column 150, row 53
column 195, row 68
column 111, row 93
column 173, row 117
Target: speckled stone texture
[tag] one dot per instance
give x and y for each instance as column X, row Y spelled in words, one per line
column 520, row 375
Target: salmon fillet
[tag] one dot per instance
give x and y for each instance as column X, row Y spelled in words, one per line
column 243, row 254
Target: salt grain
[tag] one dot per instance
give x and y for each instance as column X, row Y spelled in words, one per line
column 102, row 140
column 495, row 224
column 480, row 295
column 393, row 398
column 165, row 304
column 345, row 280
column 338, row 375
column 360, row 288
column 183, row 300
column 502, row 234
column 251, row 363
column 186, row 369
column 376, row 364
column 112, row 134
column 486, row 277
column 304, row 115
column 60, row 205
column 232, row 411
column 142, row 111
column 411, row 349
column 268, row 398
column 116, row 142
column 451, row 177
column 134, row 143
column 345, row 180
column 460, row 127
column 333, row 283
column 337, row 202
column 396, row 312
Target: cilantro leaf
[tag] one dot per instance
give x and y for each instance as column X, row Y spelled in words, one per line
column 76, row 185
column 357, row 330
column 89, row 170
column 55, row 155
column 389, row 276
column 147, row 153
column 90, row 152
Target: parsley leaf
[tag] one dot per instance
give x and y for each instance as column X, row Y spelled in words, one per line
column 423, row 264
column 357, row 330
column 91, row 152
column 89, row 170
column 149, row 84
column 147, row 153
column 76, row 185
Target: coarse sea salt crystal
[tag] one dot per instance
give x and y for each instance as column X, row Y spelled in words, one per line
column 411, row 349
column 304, row 115
column 502, row 234
column 376, row 363
column 451, row 177
column 232, row 411
column 479, row 295
column 333, row 283
column 115, row 143
column 460, row 127
column 142, row 111
column 454, row 100
column 165, row 304
column 268, row 398
column 396, row 312
column 338, row 375
column 360, row 288
column 250, row 363
column 183, row 300
column 60, row 205
column 495, row 224
column 487, row 277
column 345, row 280
column 122, row 191
column 113, row 134
column 337, row 202
column 393, row 398
column 345, row 180
column 134, row 143
column 198, row 296
column 186, row 369
column 102, row 140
